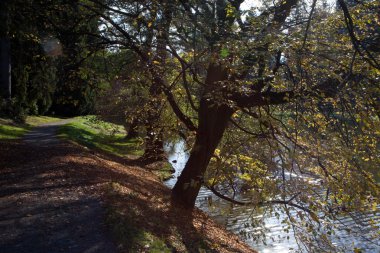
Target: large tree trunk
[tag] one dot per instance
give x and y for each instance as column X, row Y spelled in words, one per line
column 154, row 145
column 154, row 150
column 132, row 130
column 5, row 69
column 212, row 124
column 213, row 121
column 5, row 51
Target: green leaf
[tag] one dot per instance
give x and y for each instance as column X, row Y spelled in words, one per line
column 224, row 53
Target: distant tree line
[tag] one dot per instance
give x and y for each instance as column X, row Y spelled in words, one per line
column 46, row 52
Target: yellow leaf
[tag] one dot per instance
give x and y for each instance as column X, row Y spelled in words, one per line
column 374, row 206
column 314, row 217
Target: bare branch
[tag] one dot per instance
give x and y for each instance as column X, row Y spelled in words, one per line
column 355, row 41
column 261, row 99
column 261, row 135
column 263, row 203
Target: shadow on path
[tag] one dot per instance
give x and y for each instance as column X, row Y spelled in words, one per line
column 48, row 205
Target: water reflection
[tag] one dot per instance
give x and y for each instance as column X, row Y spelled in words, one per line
column 261, row 228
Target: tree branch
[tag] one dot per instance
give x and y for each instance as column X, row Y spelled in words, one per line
column 355, row 41
column 131, row 44
column 261, row 135
column 261, row 203
column 178, row 112
column 261, row 99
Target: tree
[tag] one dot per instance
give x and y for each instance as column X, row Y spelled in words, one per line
column 5, row 65
column 245, row 64
column 125, row 98
column 284, row 109
column 37, row 31
column 151, row 20
column 223, row 93
column 77, row 30
column 33, row 71
column 292, row 92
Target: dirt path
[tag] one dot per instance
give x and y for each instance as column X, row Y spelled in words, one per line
column 45, row 135
column 46, row 203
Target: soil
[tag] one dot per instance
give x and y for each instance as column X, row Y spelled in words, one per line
column 52, row 199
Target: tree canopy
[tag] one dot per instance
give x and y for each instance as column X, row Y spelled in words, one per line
column 283, row 97
column 50, row 46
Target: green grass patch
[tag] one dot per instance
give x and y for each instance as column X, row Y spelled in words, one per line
column 40, row 120
column 165, row 171
column 10, row 130
column 93, row 133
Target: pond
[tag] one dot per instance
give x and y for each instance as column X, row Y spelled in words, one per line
column 239, row 219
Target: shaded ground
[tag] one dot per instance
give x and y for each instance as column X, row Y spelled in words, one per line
column 44, row 205
column 45, row 135
column 51, row 200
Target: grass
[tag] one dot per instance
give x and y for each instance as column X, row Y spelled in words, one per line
column 108, row 137
column 34, row 121
column 10, row 130
column 162, row 169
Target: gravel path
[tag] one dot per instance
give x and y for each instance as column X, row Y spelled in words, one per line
column 48, row 204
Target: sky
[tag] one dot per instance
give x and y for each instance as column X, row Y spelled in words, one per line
column 247, row 4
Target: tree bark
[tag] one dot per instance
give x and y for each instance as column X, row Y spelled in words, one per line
column 5, row 51
column 132, row 130
column 5, row 69
column 154, row 144
column 212, row 124
column 213, row 121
